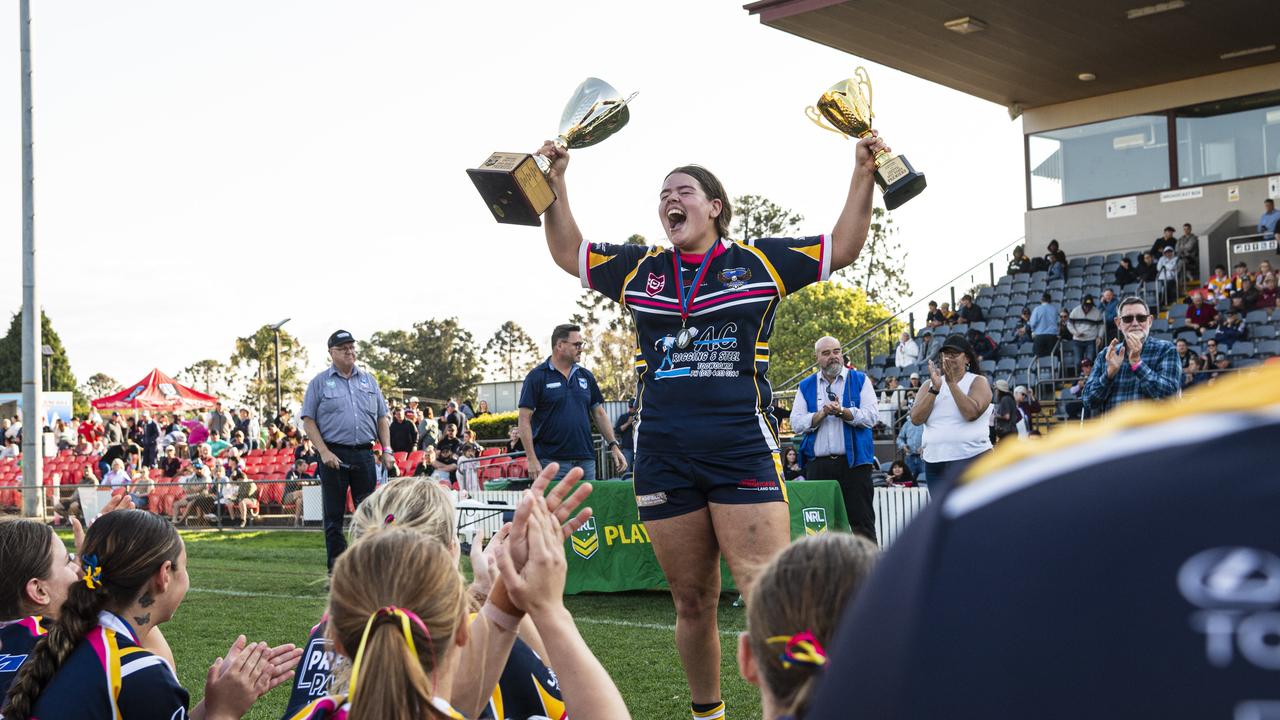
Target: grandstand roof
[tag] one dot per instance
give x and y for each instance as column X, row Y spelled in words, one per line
column 1031, row 51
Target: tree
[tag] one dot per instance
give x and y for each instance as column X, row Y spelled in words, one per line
column 881, row 267
column 256, row 354
column 56, row 367
column 610, row 336
column 760, row 217
column 817, row 310
column 510, row 353
column 212, row 377
column 436, row 359
column 100, row 385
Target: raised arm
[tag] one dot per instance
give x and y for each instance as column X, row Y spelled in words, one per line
column 563, row 236
column 850, row 232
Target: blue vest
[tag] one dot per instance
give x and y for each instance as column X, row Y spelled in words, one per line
column 858, row 445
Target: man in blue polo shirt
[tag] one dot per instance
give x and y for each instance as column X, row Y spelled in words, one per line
column 557, row 403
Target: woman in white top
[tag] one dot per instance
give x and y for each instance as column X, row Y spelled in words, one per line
column 955, row 411
column 118, row 477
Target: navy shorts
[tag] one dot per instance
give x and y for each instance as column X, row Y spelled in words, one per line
column 671, row 485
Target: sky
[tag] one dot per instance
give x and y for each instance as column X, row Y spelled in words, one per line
column 203, row 169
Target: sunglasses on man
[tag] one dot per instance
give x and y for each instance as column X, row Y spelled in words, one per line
column 1135, row 318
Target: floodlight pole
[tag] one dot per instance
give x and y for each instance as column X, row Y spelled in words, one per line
column 32, row 404
column 276, row 329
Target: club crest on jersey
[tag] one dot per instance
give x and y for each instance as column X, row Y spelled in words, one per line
column 655, row 284
column 815, row 520
column 585, row 540
column 734, row 278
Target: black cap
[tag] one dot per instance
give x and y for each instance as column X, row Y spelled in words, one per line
column 340, row 337
column 959, row 343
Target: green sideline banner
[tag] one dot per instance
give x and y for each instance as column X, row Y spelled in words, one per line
column 611, row 553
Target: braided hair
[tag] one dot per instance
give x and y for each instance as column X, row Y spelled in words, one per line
column 127, row 547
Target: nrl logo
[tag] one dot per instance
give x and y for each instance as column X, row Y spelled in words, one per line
column 585, row 540
column 815, row 520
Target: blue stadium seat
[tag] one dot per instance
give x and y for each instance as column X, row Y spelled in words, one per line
column 1243, row 348
column 1159, row 325
column 1006, row 365
column 1039, row 275
column 1257, row 317
column 998, row 312
column 1177, row 310
column 1165, row 336
column 1127, row 290
column 1095, row 260
column 989, row 366
column 1113, row 258
column 1267, row 347
column 1076, row 262
column 1262, row 332
column 1189, row 334
column 1223, row 305
column 1243, row 363
column 980, row 326
column 881, row 361
column 995, row 324
column 1109, row 268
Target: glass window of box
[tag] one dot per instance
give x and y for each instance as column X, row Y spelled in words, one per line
column 1116, row 157
column 1228, row 139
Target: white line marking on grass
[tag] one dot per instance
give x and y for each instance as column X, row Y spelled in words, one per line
column 577, row 618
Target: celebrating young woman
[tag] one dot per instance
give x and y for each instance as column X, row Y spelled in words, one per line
column 708, row 477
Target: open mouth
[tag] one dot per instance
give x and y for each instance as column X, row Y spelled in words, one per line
column 675, row 219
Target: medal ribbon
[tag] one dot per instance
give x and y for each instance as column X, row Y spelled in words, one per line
column 687, row 302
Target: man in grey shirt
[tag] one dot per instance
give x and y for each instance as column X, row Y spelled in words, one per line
column 218, row 422
column 343, row 412
column 1085, row 324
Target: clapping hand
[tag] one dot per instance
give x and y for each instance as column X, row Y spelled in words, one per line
column 560, row 502
column 935, row 376
column 539, row 585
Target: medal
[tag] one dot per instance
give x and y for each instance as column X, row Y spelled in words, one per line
column 685, row 337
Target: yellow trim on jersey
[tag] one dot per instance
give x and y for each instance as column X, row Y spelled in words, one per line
column 113, row 669
column 782, row 483
column 812, row 251
column 1243, row 392
column 762, row 358
column 777, row 280
column 595, row 259
column 495, row 702
column 622, row 294
column 551, row 705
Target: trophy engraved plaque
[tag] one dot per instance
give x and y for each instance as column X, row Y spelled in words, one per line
column 514, row 185
column 847, row 107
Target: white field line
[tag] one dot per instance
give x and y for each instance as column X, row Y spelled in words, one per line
column 576, row 618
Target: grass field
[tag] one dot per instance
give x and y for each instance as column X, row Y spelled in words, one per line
column 269, row 585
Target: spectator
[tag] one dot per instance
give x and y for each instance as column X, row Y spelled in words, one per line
column 893, row 394
column 453, row 415
column 1050, row 256
column 934, row 317
column 1006, row 414
column 1247, row 297
column 88, row 431
column 1028, row 405
column 1085, row 324
column 1167, row 273
column 1020, row 262
column 515, row 445
column 150, row 430
column 65, row 438
column 297, row 478
column 175, row 438
column 948, row 315
column 1139, row 367
column 1021, row 331
column 910, row 442
column 238, row 443
column 1057, row 267
column 791, row 468
column 929, row 345
column 1189, row 251
column 1266, row 294
column 1064, row 333
column 1192, row 371
column 469, row 470
column 215, row 444
column 1074, row 406
column 307, row 452
column 899, row 475
column 1201, row 315
column 1232, row 330
column 955, row 412
column 1184, row 353
column 907, row 352
column 1165, row 240
column 1270, row 217
column 1044, row 326
column 117, row 478
column 1221, row 365
column 969, row 312
column 1264, row 270
column 403, row 433
column 1147, row 270
column 1211, row 353
column 11, row 449
column 913, row 381
column 67, row 504
column 197, row 433
column 1238, row 274
column 170, row 465
column 218, row 421
column 1108, row 304
column 382, row 470
column 140, row 493
column 448, row 450
column 197, row 493
column 1220, row 283
column 274, row 437
column 482, row 408
column 623, row 430
column 983, row 344
column 428, row 429
column 1126, row 274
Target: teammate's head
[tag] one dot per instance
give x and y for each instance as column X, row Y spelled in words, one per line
column 38, row 570
column 693, row 204
column 134, row 552
column 792, row 614
column 397, row 608
column 412, row 503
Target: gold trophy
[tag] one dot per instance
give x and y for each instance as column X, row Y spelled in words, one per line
column 514, row 185
column 847, row 106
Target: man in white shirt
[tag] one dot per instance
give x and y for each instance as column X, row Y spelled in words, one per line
column 1167, row 273
column 835, row 409
column 908, row 353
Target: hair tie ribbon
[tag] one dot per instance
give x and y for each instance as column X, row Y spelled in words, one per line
column 801, row 649
column 92, row 572
column 406, row 616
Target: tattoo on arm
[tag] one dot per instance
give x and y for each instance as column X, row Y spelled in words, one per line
column 141, row 620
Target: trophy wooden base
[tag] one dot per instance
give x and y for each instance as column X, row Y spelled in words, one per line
column 899, row 181
column 514, row 188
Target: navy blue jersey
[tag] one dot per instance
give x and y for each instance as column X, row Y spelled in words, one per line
column 713, row 393
column 1129, row 568
column 109, row 677
column 527, row 688
column 16, row 640
column 561, row 420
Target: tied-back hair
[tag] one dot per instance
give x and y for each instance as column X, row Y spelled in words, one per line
column 129, row 546
column 804, row 589
column 714, row 190
column 24, row 554
column 413, row 503
column 396, row 568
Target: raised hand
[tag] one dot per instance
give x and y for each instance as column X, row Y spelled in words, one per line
column 539, row 586
column 868, row 147
column 559, row 158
